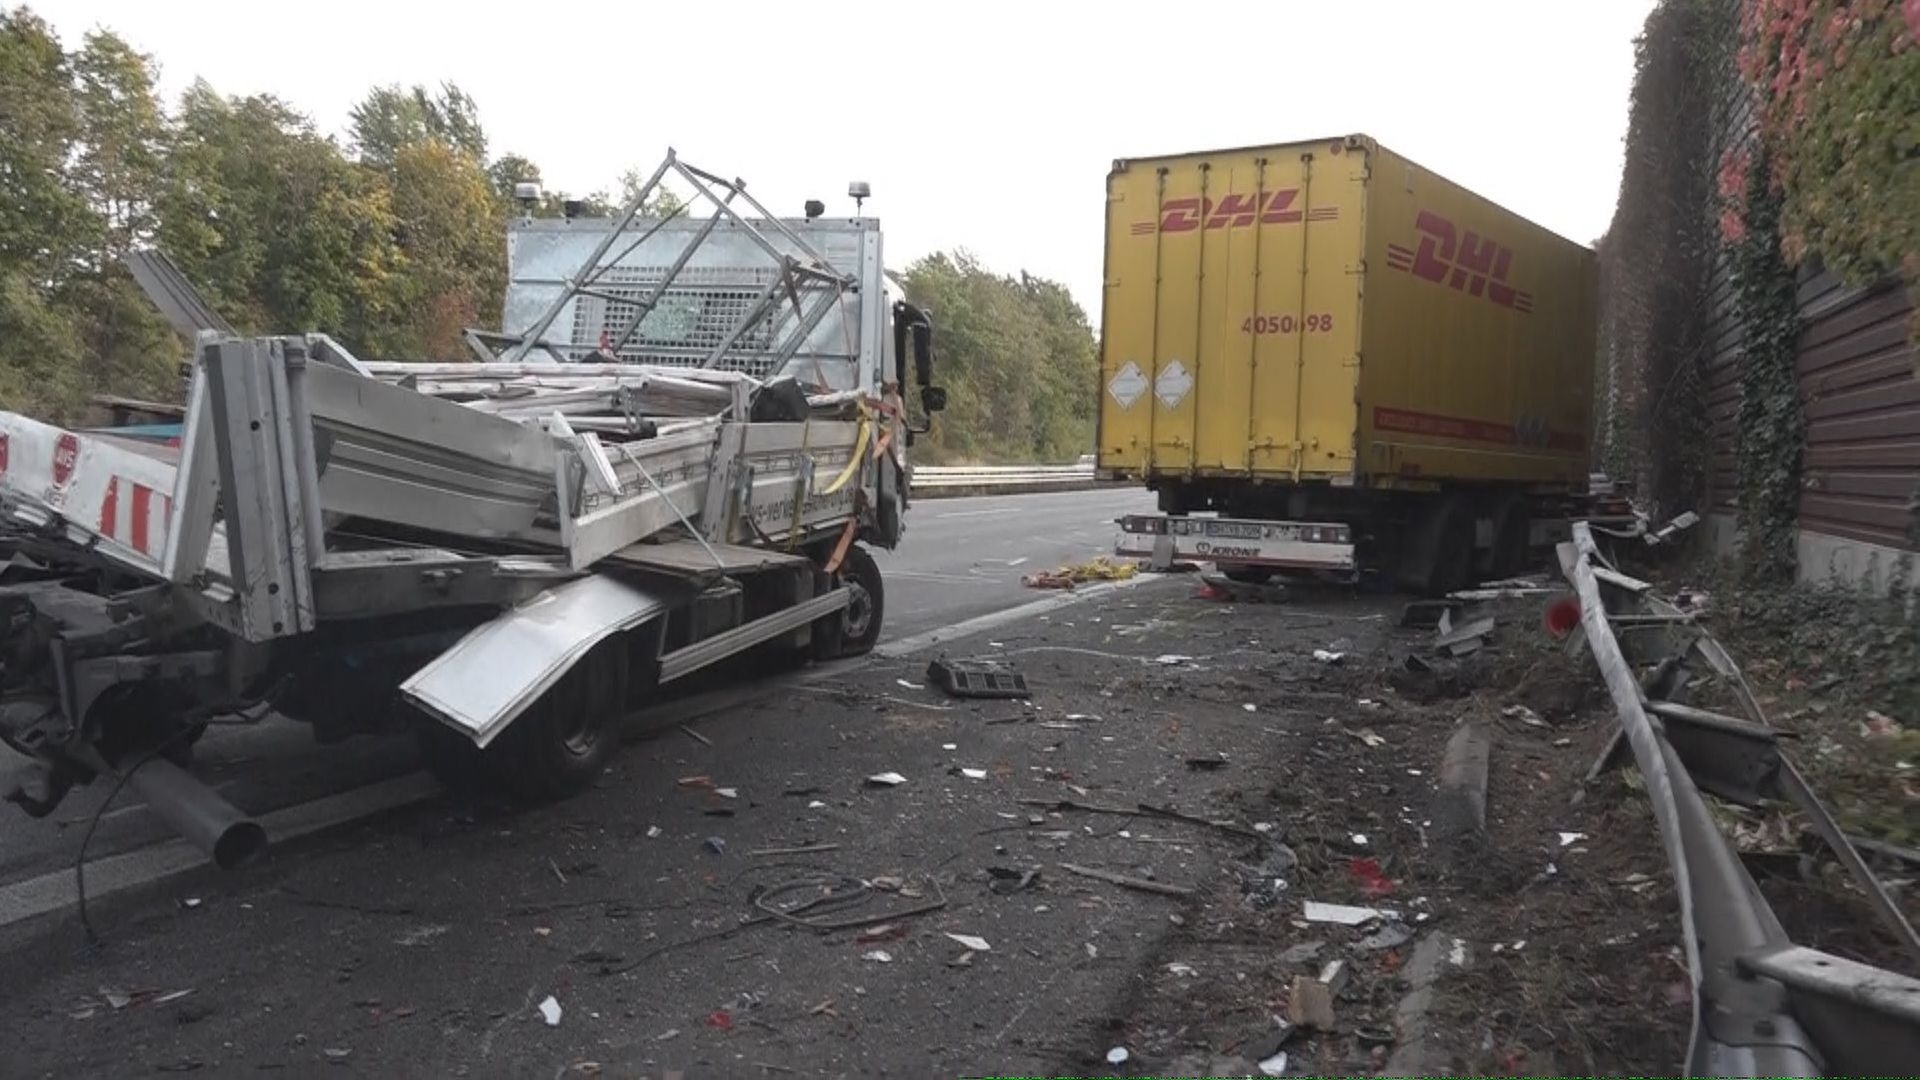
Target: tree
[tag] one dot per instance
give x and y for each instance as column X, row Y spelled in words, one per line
column 1017, row 357
column 122, row 137
column 390, row 119
column 452, row 227
column 125, row 344
column 274, row 223
column 39, row 216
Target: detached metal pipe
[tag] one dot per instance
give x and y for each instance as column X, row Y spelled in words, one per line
column 197, row 813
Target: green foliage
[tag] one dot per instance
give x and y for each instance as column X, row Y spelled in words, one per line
column 272, row 221
column 39, row 121
column 1843, row 653
column 1657, row 258
column 1838, row 86
column 1018, row 359
column 390, row 119
column 1772, row 432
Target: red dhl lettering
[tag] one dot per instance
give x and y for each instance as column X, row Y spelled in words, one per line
column 1461, row 260
column 1235, row 210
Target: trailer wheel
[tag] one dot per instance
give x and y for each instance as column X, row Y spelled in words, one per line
column 1512, row 535
column 564, row 740
column 1436, row 557
column 1249, row 575
column 856, row 630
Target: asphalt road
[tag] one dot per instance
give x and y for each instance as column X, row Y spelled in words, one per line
column 960, row 558
column 425, row 942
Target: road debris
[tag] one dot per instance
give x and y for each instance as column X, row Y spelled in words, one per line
column 1326, row 656
column 1007, row 881
column 695, row 736
column 1118, row 1056
column 1367, row 735
column 886, row 779
column 1342, row 914
column 1275, row 1065
column 974, row 774
column 550, row 1011
column 1103, row 568
column 1524, row 715
column 803, row 849
column 1334, row 975
column 1126, row 881
column 977, row 679
column 1391, row 936
column 878, row 956
column 883, row 932
column 1310, row 1003
column 1172, row 659
column 1184, row 971
column 653, row 832
column 715, row 845
column 1210, row 763
column 1365, row 872
column 1568, row 839
column 1465, row 638
column 971, row 943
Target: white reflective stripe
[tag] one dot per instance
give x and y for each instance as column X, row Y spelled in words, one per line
column 100, row 488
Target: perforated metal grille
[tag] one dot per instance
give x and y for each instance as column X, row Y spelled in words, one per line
column 693, row 316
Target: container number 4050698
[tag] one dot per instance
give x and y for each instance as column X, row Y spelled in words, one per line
column 1318, row 323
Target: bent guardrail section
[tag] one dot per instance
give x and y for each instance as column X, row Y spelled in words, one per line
column 1763, row 1006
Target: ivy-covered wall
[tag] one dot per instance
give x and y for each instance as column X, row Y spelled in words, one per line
column 1772, row 144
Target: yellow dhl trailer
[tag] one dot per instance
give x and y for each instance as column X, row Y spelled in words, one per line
column 1351, row 361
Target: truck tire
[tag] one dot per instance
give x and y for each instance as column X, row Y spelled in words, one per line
column 856, row 630
column 1249, row 575
column 450, row 756
column 1436, row 556
column 1512, row 535
column 564, row 740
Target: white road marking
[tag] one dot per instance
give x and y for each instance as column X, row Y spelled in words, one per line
column 117, row 873
column 999, row 512
column 909, row 645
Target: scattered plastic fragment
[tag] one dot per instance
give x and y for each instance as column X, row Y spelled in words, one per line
column 1275, row 1065
column 971, row 942
column 1568, row 839
column 1343, row 914
column 886, row 779
column 715, row 845
column 1118, row 1056
column 550, row 1011
column 878, row 956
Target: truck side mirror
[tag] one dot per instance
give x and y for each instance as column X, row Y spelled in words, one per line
column 923, row 354
column 933, row 399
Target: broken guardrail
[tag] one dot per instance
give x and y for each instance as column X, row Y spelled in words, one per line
column 1763, row 1006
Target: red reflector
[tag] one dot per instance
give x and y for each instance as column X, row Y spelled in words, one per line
column 1562, row 616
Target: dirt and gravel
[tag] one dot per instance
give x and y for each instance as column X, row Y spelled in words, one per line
column 672, row 914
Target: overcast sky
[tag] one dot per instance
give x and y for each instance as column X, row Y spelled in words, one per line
column 980, row 124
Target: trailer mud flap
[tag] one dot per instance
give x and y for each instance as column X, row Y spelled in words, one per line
column 489, row 677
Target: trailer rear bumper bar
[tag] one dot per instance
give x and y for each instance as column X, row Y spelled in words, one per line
column 1232, row 542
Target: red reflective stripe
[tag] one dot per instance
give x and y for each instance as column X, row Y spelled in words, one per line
column 142, row 510
column 110, row 508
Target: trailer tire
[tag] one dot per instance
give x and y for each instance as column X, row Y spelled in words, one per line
column 564, row 740
column 1512, row 535
column 856, row 630
column 1249, row 575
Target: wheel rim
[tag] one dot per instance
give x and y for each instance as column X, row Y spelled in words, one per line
column 859, row 610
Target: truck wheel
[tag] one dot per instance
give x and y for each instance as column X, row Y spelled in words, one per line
column 564, row 740
column 1250, row 575
column 1512, row 533
column 856, row 630
column 1436, row 556
column 451, row 757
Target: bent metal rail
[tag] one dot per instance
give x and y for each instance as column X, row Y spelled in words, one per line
column 1763, row 1006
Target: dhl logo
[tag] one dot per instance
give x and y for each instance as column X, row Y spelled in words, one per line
column 1233, row 211
column 1466, row 262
